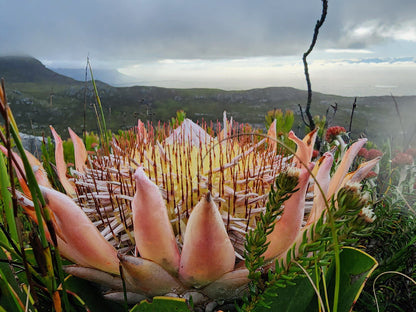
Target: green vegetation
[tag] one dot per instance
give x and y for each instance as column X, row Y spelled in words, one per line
column 46, row 98
column 391, row 240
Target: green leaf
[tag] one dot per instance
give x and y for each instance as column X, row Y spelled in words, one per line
column 356, row 267
column 296, row 298
column 2, row 309
column 162, row 304
column 11, row 298
column 91, row 296
column 6, row 200
column 289, row 119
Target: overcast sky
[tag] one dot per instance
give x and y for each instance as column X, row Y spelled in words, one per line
column 365, row 47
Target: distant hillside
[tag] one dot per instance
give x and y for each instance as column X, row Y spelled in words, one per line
column 40, row 97
column 20, row 69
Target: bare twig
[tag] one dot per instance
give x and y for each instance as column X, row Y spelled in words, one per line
column 354, row 105
column 328, row 121
column 303, row 117
column 318, row 25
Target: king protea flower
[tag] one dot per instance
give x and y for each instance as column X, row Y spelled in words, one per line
column 168, row 211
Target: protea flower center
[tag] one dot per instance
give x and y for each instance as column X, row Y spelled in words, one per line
column 235, row 169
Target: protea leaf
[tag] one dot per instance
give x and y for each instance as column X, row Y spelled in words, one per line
column 61, row 165
column 304, row 147
column 79, row 151
column 361, row 172
column 147, row 277
column 151, row 224
column 343, row 167
column 207, row 252
column 288, row 226
column 83, row 242
column 323, row 165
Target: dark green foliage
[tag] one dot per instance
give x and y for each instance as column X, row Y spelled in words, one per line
column 160, row 304
column 178, row 119
column 393, row 244
column 301, row 297
column 393, row 240
column 256, row 244
column 284, row 123
column 87, row 296
column 323, row 240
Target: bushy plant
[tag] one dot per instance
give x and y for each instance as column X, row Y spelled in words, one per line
column 393, row 241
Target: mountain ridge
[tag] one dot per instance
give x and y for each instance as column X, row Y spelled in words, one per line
column 39, row 96
column 21, row 69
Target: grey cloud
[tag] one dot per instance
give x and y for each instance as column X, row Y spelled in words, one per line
column 380, row 60
column 384, row 16
column 131, row 31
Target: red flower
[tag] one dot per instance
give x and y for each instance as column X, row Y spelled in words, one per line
column 363, row 152
column 332, row 132
column 411, row 151
column 373, row 153
column 402, row 159
column 315, row 153
column 370, row 175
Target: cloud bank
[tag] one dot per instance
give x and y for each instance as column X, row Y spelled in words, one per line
column 161, row 40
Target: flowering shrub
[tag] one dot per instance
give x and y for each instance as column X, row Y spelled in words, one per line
column 402, row 159
column 333, row 132
column 373, row 153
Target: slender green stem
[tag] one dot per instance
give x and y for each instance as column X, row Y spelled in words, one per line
column 16, row 255
column 61, row 276
column 337, row 262
column 317, row 284
column 325, row 287
column 11, row 292
column 313, row 284
column 32, row 186
column 39, row 203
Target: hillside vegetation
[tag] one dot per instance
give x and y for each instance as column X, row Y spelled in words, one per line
column 40, row 97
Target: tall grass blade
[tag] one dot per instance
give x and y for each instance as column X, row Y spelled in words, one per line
column 11, row 295
column 101, row 118
column 42, row 213
column 6, row 199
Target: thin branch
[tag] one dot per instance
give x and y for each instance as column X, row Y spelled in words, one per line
column 303, row 117
column 318, row 25
column 328, row 120
column 354, row 105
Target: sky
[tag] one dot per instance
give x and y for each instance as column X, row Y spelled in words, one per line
column 365, row 47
